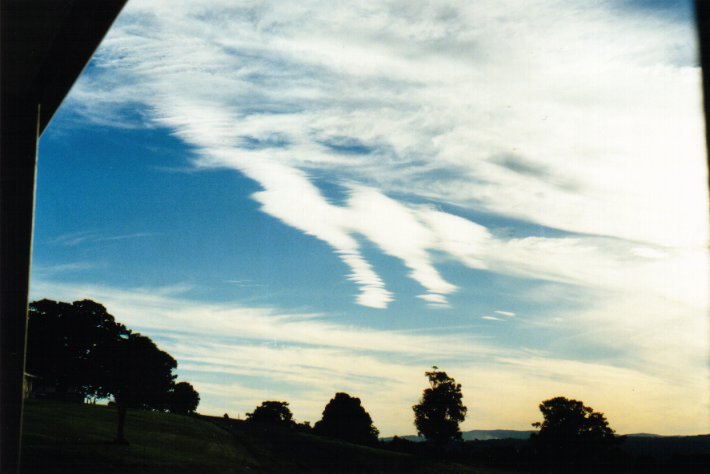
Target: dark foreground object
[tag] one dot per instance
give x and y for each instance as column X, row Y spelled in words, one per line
column 634, row 454
column 44, row 45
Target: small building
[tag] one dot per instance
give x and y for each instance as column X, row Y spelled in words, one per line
column 27, row 384
column 37, row 387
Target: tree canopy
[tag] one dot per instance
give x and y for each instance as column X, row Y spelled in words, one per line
column 67, row 344
column 272, row 413
column 571, row 431
column 440, row 410
column 569, row 419
column 80, row 346
column 139, row 373
column 183, row 399
column 345, row 418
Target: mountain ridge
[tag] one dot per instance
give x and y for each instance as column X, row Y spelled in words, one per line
column 485, row 435
column 480, row 435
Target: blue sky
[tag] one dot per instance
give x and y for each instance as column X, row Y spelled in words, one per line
column 299, row 200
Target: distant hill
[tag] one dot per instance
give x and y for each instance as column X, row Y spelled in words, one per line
column 482, row 435
column 486, row 435
column 495, row 434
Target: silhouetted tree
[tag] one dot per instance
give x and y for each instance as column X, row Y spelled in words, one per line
column 138, row 375
column 272, row 413
column 66, row 344
column 345, row 418
column 440, row 410
column 80, row 346
column 571, row 432
column 183, row 399
column 304, row 426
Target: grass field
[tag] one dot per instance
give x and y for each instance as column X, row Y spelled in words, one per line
column 71, row 438
column 63, row 437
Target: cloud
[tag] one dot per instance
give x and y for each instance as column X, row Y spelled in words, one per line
column 80, row 238
column 237, row 356
column 413, row 104
column 508, row 314
column 491, row 318
column 161, row 312
column 433, row 299
column 63, row 268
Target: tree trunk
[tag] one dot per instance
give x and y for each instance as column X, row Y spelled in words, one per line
column 122, row 408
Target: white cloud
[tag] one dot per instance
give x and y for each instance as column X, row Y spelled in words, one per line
column 74, row 239
column 433, row 299
column 594, row 126
column 63, row 268
column 237, row 356
column 162, row 309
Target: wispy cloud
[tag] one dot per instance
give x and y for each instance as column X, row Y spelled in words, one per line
column 237, row 356
column 78, row 238
column 47, row 271
column 161, row 313
column 243, row 283
column 491, row 318
column 412, row 104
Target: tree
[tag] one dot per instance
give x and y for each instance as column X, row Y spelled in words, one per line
column 138, row 375
column 183, row 399
column 272, row 413
column 304, row 427
column 345, row 418
column 80, row 346
column 571, row 431
column 52, row 354
column 66, row 343
column 440, row 410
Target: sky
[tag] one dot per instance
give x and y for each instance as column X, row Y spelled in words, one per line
column 299, row 200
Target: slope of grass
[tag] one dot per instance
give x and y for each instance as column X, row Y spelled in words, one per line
column 284, row 450
column 71, row 438
column 64, row 437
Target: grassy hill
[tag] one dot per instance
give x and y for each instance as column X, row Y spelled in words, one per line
column 71, row 438
column 64, row 437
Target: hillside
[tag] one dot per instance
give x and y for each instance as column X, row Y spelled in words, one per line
column 64, row 437
column 71, row 438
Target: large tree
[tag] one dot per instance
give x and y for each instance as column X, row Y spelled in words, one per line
column 345, row 418
column 138, row 375
column 440, row 410
column 80, row 347
column 66, row 345
column 183, row 399
column 571, row 431
column 272, row 413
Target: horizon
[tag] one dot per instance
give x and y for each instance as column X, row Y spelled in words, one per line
column 295, row 201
